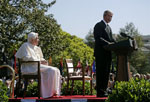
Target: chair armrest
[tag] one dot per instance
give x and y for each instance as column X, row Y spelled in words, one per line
column 29, row 61
column 38, row 62
column 21, row 62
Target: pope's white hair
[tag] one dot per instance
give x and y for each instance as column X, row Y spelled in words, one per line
column 31, row 36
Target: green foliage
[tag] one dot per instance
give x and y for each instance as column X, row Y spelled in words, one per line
column 19, row 17
column 132, row 91
column 3, row 92
column 75, row 49
column 139, row 60
column 77, row 90
column 32, row 90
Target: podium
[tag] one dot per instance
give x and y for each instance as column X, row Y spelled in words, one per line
column 122, row 50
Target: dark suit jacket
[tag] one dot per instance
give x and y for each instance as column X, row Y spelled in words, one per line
column 100, row 31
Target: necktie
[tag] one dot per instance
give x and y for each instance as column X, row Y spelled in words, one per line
column 108, row 30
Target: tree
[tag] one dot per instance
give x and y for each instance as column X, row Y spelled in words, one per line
column 19, row 17
column 75, row 49
column 138, row 59
column 89, row 39
column 130, row 30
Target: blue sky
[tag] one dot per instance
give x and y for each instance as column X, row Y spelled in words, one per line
column 77, row 17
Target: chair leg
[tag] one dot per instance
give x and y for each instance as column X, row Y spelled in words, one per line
column 39, row 88
column 25, row 87
column 91, row 87
column 18, row 88
column 83, row 86
column 72, row 86
column 67, row 86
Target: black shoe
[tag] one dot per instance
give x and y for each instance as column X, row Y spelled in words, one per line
column 109, row 91
column 102, row 95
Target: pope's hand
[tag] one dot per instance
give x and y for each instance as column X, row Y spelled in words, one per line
column 44, row 62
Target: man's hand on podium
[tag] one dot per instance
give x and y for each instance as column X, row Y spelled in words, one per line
column 111, row 43
column 107, row 41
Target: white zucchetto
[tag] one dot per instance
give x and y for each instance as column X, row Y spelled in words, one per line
column 32, row 35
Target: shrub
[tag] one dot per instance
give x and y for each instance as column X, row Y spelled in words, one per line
column 32, row 90
column 132, row 91
column 77, row 90
column 3, row 92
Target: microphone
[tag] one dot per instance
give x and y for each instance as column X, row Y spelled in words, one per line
column 125, row 35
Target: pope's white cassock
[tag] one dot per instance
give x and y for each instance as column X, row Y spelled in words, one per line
column 50, row 76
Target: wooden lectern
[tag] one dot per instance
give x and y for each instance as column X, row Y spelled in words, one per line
column 122, row 50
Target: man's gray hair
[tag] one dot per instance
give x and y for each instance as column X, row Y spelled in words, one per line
column 31, row 36
column 106, row 12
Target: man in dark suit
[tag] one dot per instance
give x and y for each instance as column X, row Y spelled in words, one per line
column 103, row 36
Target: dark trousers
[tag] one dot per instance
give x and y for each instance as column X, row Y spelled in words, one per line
column 103, row 64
